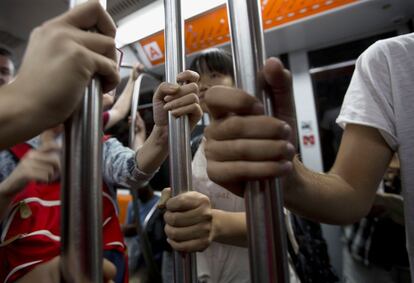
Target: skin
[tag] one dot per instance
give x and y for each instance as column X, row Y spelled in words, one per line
column 68, row 48
column 6, row 70
column 44, row 163
column 122, row 105
column 49, row 272
column 341, row 196
column 191, row 222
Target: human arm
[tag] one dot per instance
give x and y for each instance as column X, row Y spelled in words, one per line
column 140, row 132
column 49, row 272
column 238, row 151
column 122, row 105
column 41, row 165
column 180, row 100
column 73, row 56
column 123, row 166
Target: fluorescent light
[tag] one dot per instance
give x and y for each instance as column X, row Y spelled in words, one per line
column 150, row 19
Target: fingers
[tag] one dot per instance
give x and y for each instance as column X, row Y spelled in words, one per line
column 223, row 100
column 189, row 222
column 109, row 270
column 186, row 201
column 96, row 42
column 188, row 218
column 187, row 77
column 105, row 68
column 165, row 196
column 191, row 88
column 181, row 102
column 165, row 89
column 224, row 173
column 196, row 245
column 89, row 16
column 276, row 75
column 199, row 230
column 251, row 150
column 236, row 127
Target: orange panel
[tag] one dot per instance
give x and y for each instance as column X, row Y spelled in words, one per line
column 123, row 201
column 211, row 28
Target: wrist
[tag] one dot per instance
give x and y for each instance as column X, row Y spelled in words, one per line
column 160, row 135
column 217, row 229
column 293, row 182
column 11, row 186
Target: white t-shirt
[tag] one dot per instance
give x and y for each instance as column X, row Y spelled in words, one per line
column 219, row 263
column 381, row 95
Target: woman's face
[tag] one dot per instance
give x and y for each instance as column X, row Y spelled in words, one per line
column 210, row 79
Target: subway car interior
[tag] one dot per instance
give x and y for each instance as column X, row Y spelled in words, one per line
column 317, row 192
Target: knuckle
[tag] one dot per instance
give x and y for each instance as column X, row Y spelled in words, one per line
column 193, row 87
column 231, row 124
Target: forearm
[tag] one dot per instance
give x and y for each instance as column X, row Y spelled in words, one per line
column 230, row 227
column 18, row 120
column 153, row 152
column 123, row 103
column 324, row 197
column 8, row 189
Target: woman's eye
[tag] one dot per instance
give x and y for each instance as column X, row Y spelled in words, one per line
column 214, row 75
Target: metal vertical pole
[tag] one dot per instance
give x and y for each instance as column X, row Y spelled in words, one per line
column 134, row 108
column 264, row 200
column 82, row 189
column 179, row 130
column 145, row 246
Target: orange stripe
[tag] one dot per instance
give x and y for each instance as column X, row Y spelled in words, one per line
column 212, row 28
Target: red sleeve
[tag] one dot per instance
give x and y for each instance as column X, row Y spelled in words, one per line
column 105, row 118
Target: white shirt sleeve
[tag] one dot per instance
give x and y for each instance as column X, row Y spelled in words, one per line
column 369, row 99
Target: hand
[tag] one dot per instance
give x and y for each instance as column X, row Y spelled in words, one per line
column 180, row 100
column 136, row 71
column 49, row 272
column 62, row 57
column 41, row 165
column 237, row 148
column 389, row 205
column 189, row 222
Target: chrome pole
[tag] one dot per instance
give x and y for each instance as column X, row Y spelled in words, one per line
column 264, row 200
column 81, row 195
column 154, row 273
column 134, row 108
column 179, row 130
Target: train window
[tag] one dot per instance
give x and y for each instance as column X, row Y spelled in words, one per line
column 343, row 52
column 331, row 71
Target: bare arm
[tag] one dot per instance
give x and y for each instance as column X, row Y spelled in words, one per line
column 42, row 97
column 347, row 192
column 122, row 106
column 180, row 100
column 41, row 165
column 230, row 227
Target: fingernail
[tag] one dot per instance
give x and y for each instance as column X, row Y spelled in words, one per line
column 257, row 108
column 290, row 148
column 286, row 131
column 286, row 166
column 168, row 98
column 166, row 106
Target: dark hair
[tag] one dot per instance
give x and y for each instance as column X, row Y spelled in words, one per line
column 213, row 60
column 6, row 53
